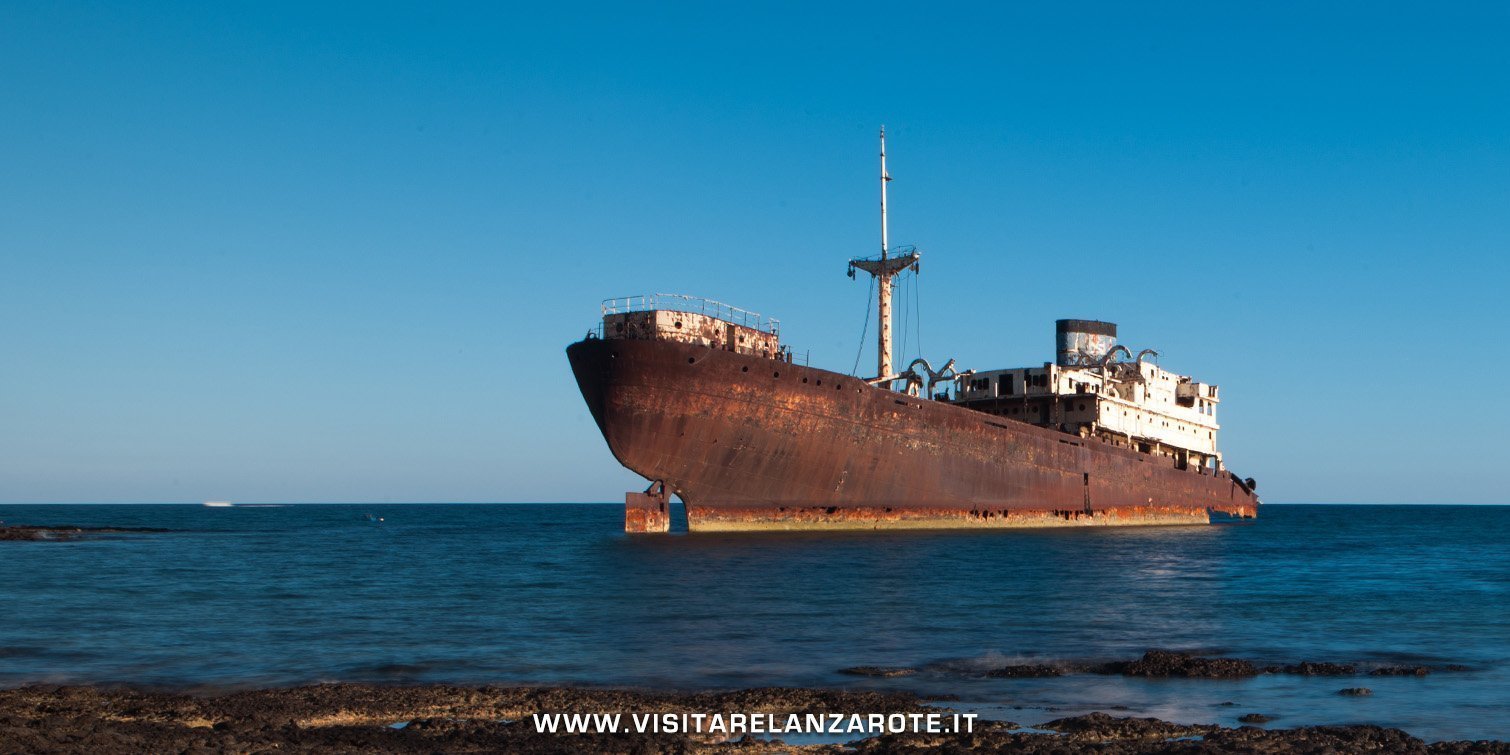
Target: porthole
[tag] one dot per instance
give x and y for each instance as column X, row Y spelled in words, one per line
column 804, row 380
column 744, row 369
column 678, row 323
column 690, row 360
column 775, row 374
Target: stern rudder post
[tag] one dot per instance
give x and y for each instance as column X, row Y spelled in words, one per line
column 649, row 511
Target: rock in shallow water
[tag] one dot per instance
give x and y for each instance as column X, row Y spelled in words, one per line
column 64, row 532
column 1026, row 671
column 1309, row 668
column 1400, row 671
column 883, row 671
column 1169, row 663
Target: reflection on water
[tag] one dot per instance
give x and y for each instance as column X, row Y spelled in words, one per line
column 253, row 595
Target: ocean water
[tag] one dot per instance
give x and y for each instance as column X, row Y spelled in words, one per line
column 256, row 596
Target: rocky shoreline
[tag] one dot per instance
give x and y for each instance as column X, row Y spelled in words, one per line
column 446, row 718
column 64, row 532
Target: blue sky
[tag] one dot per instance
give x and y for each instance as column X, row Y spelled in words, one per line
column 321, row 252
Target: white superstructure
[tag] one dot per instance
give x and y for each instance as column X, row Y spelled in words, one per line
column 1091, row 393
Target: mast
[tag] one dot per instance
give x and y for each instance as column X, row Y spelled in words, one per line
column 883, row 309
column 884, row 268
column 884, row 179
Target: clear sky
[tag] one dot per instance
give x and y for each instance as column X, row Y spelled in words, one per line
column 265, row 251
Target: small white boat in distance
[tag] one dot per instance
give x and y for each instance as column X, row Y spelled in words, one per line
column 219, row 504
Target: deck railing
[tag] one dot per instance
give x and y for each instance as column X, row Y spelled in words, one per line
column 695, row 305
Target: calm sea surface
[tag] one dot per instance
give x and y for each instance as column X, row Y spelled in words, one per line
column 558, row 594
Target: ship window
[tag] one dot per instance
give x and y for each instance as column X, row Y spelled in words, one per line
column 1082, row 407
column 804, row 380
column 820, row 382
column 744, row 369
column 678, row 323
column 775, row 374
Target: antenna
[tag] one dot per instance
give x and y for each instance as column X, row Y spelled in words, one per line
column 884, row 179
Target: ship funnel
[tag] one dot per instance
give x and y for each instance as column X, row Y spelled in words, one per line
column 1082, row 343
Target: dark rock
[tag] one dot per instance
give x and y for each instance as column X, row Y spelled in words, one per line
column 1308, row 668
column 1100, row 727
column 1480, row 747
column 883, row 671
column 63, row 532
column 1255, row 718
column 1025, row 671
column 1400, row 671
column 1169, row 663
column 1356, row 692
column 1312, row 739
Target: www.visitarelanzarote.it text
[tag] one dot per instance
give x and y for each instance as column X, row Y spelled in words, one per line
column 755, row 723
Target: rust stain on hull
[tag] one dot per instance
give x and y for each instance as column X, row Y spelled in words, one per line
column 754, row 443
column 727, row 519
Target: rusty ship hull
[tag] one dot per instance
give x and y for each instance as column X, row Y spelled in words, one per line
column 751, row 443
